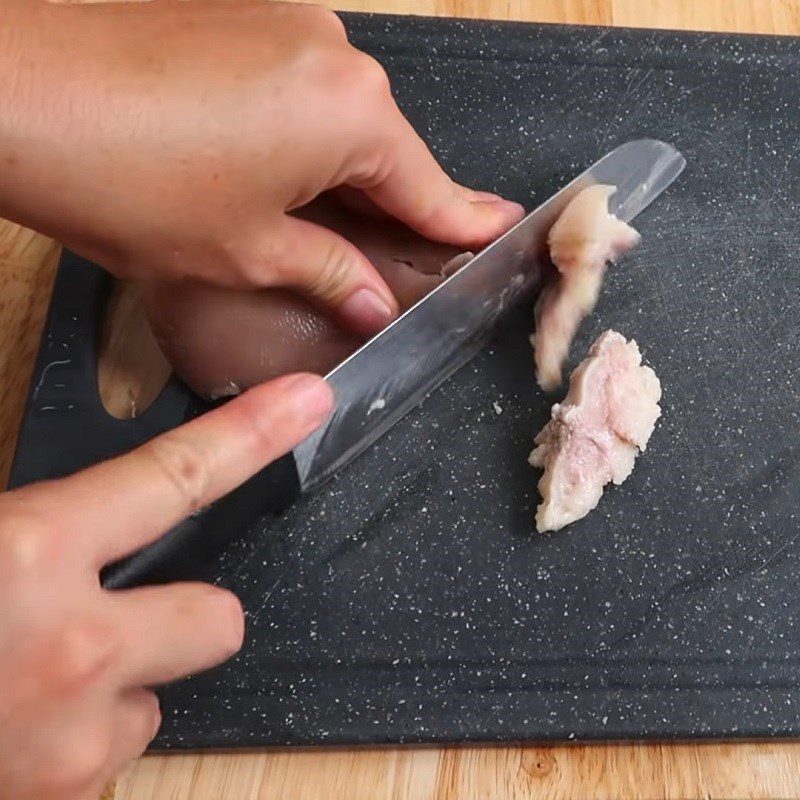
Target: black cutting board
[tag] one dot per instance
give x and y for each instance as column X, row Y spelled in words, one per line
column 410, row 600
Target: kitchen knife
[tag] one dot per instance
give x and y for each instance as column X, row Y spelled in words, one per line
column 394, row 371
column 391, row 373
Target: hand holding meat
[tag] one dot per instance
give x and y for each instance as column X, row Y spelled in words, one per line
column 170, row 140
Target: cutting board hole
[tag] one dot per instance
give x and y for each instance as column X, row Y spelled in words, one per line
column 131, row 370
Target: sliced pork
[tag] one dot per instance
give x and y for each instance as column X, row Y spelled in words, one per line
column 582, row 241
column 594, row 435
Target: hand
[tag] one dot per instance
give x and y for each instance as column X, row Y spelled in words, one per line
column 75, row 659
column 170, row 139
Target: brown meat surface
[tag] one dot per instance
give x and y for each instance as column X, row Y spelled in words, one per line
column 222, row 341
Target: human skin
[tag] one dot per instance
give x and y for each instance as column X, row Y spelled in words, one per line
column 169, row 140
column 77, row 660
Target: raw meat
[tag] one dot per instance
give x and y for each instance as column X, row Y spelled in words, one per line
column 583, row 239
column 222, row 341
column 594, row 435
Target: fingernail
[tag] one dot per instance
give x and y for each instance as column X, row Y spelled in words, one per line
column 487, row 197
column 367, row 312
column 312, row 395
column 508, row 212
column 156, row 722
column 507, row 205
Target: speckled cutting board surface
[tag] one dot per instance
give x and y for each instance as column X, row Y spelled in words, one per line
column 410, row 600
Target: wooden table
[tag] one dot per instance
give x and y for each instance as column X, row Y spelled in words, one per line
column 27, row 263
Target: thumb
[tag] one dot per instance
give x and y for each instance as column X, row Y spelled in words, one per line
column 412, row 187
column 333, row 274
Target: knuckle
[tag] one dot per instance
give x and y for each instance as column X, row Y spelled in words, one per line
column 75, row 767
column 270, row 264
column 329, row 21
column 377, row 167
column 350, row 76
column 250, row 418
column 236, row 255
column 371, row 76
column 331, row 280
column 26, row 544
column 80, row 652
column 182, row 467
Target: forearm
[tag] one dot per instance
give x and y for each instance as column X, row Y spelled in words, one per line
column 64, row 120
column 83, row 103
column 25, row 56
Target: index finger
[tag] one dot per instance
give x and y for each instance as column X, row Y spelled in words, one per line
column 123, row 504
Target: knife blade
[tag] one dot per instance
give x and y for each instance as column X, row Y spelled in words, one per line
column 383, row 380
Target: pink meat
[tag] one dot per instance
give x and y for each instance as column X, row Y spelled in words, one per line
column 594, row 435
column 582, row 241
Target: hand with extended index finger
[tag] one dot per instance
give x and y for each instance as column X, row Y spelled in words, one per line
column 76, row 660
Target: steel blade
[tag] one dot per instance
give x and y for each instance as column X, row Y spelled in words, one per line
column 390, row 374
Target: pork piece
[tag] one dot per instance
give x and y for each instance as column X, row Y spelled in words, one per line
column 583, row 239
column 222, row 341
column 594, row 435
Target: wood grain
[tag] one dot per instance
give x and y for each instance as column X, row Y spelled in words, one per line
column 132, row 370
column 583, row 12
column 471, row 773
column 27, row 268
column 747, row 16
column 588, row 772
